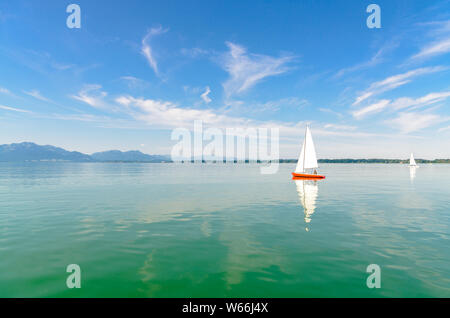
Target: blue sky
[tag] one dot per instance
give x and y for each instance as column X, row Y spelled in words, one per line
column 138, row 69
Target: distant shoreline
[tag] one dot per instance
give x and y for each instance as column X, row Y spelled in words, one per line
column 281, row 161
column 31, row 152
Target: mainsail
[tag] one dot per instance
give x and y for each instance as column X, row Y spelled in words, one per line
column 307, row 159
column 412, row 162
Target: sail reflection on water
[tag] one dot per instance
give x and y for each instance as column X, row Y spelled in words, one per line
column 308, row 191
column 412, row 172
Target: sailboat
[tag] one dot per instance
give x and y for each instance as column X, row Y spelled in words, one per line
column 412, row 162
column 307, row 160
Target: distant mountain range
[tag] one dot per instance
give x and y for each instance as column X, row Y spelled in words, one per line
column 116, row 155
column 28, row 151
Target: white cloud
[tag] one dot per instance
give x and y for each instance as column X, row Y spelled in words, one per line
column 395, row 81
column 339, row 127
column 283, row 103
column 441, row 41
column 61, row 66
column 4, row 91
column 194, row 52
column 14, row 109
column 147, row 50
column 167, row 114
column 407, row 102
column 239, row 106
column 440, row 28
column 130, row 78
column 192, row 90
column 371, row 109
column 436, row 48
column 91, row 95
column 36, row 94
column 401, row 104
column 205, row 96
column 159, row 114
column 330, row 111
column 408, row 122
column 80, row 117
column 134, row 82
column 374, row 60
column 246, row 70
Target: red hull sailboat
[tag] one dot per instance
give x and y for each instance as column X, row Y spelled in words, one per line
column 307, row 162
column 307, row 176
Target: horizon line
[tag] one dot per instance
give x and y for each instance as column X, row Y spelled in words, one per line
column 197, row 159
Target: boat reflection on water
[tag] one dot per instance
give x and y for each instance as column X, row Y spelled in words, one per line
column 412, row 172
column 308, row 191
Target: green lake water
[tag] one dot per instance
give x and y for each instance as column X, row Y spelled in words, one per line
column 223, row 230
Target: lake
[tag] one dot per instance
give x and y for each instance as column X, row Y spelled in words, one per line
column 223, row 230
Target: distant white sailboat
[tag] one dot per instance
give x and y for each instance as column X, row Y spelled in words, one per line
column 412, row 162
column 307, row 159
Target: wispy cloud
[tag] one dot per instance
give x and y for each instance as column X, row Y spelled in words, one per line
column 246, row 70
column 433, row 49
column 39, row 61
column 134, row 82
column 413, row 103
column 376, row 59
column 283, row 103
column 194, row 52
column 14, row 109
column 395, row 81
column 167, row 114
column 401, row 103
column 158, row 114
column 92, row 95
column 439, row 45
column 408, row 122
column 330, row 111
column 340, row 127
column 5, row 91
column 147, row 50
column 249, row 107
column 36, row 94
column 444, row 129
column 205, row 96
column 371, row 109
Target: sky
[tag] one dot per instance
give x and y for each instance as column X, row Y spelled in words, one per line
column 137, row 70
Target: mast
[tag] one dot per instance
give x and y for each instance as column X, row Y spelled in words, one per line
column 304, row 152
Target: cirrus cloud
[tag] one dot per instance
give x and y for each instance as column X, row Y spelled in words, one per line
column 92, row 95
column 395, row 81
column 246, row 69
column 205, row 96
column 408, row 122
column 147, row 50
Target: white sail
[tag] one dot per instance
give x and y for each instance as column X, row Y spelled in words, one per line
column 412, row 162
column 307, row 193
column 307, row 159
